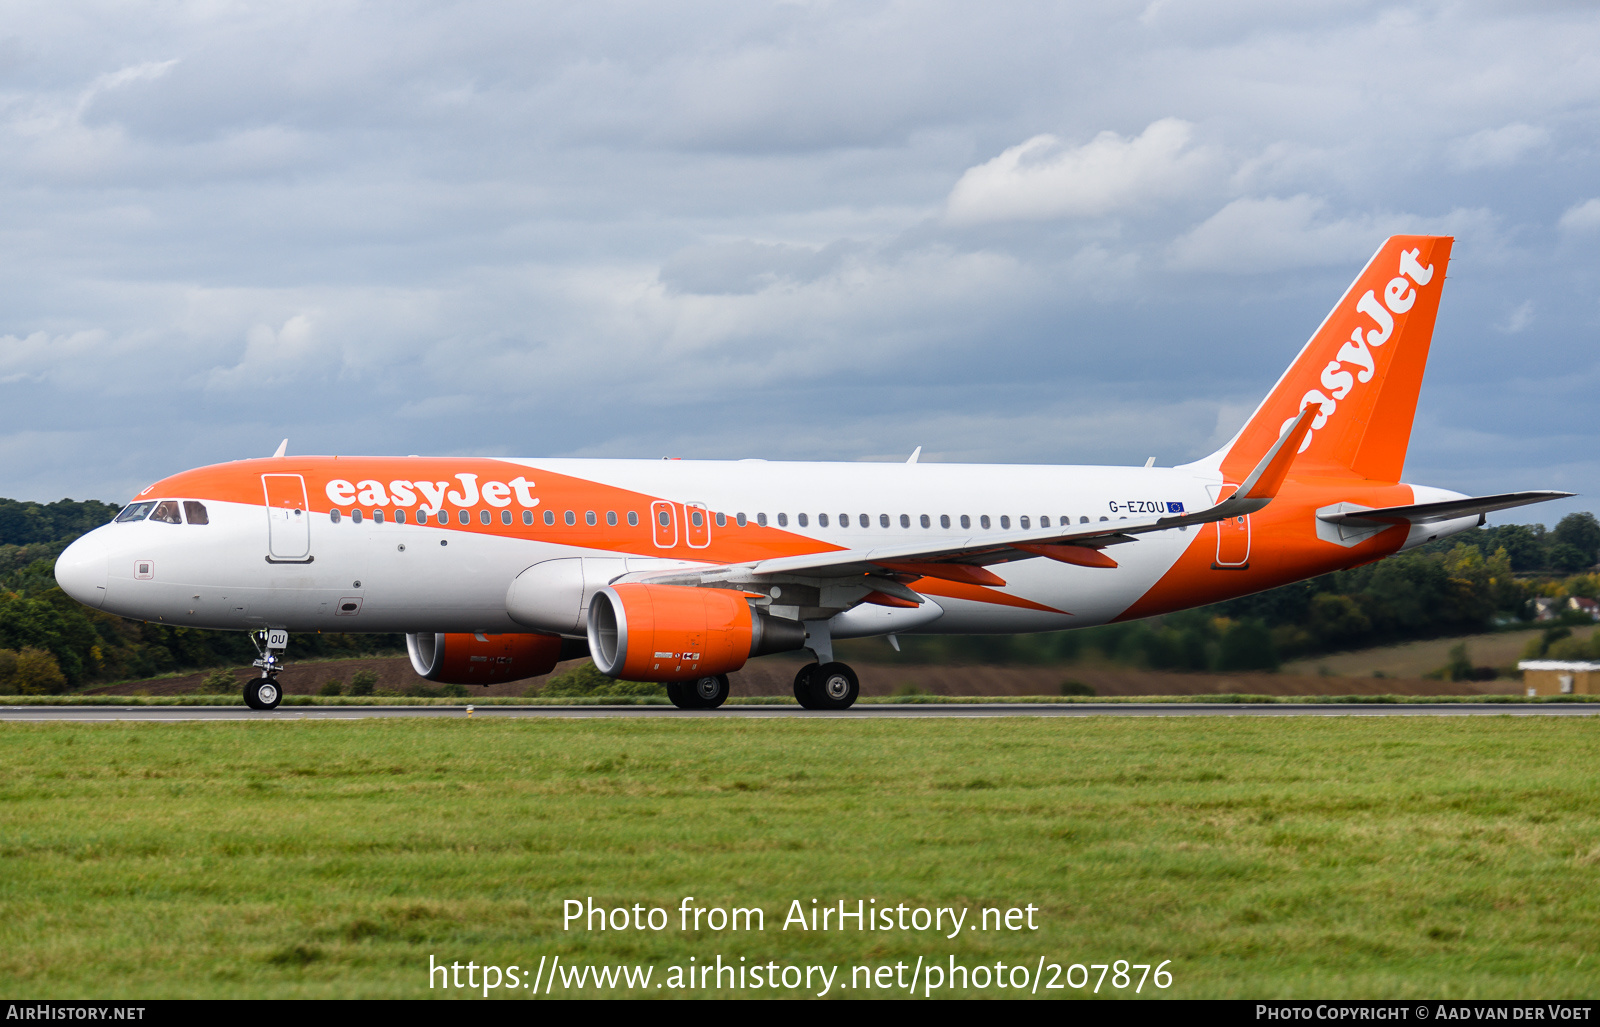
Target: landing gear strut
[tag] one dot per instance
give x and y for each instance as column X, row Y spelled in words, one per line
column 826, row 686
column 264, row 693
column 705, row 693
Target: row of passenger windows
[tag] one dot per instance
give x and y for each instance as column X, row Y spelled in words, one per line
column 865, row 520
column 696, row 516
column 165, row 511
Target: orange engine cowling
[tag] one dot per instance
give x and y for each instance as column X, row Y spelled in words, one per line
column 679, row 633
column 466, row 659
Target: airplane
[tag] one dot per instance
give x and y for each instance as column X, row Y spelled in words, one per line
column 679, row 571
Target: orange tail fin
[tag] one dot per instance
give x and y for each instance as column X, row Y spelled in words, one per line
column 1363, row 368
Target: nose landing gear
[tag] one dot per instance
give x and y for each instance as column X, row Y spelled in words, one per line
column 264, row 693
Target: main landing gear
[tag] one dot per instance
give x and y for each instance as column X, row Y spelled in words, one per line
column 826, row 686
column 264, row 693
column 705, row 693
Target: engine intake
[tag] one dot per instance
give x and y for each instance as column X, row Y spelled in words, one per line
column 466, row 659
column 677, row 633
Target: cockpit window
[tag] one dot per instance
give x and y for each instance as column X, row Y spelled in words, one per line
column 135, row 512
column 166, row 512
column 195, row 513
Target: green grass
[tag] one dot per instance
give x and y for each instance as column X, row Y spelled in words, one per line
column 1364, row 857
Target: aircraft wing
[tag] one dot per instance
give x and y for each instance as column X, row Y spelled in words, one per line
column 1426, row 513
column 963, row 559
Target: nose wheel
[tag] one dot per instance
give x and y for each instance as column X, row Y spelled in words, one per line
column 827, row 686
column 263, row 694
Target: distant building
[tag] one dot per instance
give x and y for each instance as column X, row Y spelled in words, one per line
column 1549, row 608
column 1560, row 677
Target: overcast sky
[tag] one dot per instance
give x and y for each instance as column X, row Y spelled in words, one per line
column 1003, row 232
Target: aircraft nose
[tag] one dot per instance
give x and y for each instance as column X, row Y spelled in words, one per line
column 81, row 569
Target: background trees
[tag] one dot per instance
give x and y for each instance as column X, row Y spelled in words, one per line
column 1467, row 583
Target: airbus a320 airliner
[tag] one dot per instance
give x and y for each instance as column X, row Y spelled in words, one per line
column 679, row 571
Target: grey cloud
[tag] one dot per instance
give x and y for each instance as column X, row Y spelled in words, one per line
column 553, row 229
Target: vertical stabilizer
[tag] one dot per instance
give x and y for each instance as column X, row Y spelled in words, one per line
column 1362, row 370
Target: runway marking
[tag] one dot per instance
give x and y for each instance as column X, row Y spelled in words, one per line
column 93, row 714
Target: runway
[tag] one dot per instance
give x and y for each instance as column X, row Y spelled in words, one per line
column 93, row 714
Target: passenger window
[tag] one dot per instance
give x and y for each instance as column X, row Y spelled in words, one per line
column 483, row 517
column 444, row 517
column 135, row 512
column 698, row 518
column 1005, row 521
column 803, row 519
column 167, row 512
column 761, row 519
column 944, row 520
column 883, row 520
column 865, row 520
column 377, row 517
column 783, row 520
column 505, row 516
column 399, row 516
column 571, row 518
column 590, row 519
column 633, row 518
column 355, row 516
column 822, row 520
column 925, row 522
column 463, row 517
column 844, row 520
column 1022, row 522
column 665, row 519
column 527, row 516
column 1103, row 518
column 966, row 522
column 740, row 520
column 983, row 521
column 333, row 515
column 1044, row 522
column 722, row 520
column 195, row 513
column 611, row 518
column 549, row 516
column 905, row 520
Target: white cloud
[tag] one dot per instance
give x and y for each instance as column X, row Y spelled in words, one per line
column 1518, row 319
column 271, row 357
column 1498, row 147
column 1253, row 235
column 1582, row 217
column 1043, row 178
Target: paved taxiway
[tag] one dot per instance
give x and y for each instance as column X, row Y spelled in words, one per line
column 867, row 712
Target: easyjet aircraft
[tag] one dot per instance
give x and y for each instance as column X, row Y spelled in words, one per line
column 679, row 571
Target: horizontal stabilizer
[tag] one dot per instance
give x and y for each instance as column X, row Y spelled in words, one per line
column 1427, row 513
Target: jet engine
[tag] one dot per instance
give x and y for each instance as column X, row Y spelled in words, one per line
column 678, row 633
column 466, row 659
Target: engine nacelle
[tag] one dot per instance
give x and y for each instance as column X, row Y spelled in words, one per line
column 679, row 633
column 466, row 659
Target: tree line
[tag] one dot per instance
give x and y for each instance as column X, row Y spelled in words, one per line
column 1465, row 584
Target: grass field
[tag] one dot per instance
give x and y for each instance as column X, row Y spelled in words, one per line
column 1415, row 857
column 1414, row 659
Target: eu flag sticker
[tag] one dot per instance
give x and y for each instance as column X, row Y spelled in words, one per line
column 1174, row 508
